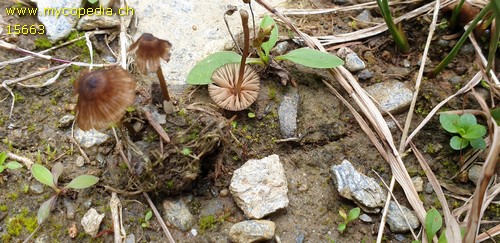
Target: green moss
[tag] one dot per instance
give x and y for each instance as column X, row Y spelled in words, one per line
column 13, row 196
column 3, row 208
column 170, row 184
column 75, row 68
column 18, row 97
column 272, row 93
column 6, row 238
column 16, row 224
column 207, row 222
column 42, row 43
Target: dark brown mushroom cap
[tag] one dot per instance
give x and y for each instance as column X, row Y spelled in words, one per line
column 223, row 91
column 103, row 97
column 149, row 51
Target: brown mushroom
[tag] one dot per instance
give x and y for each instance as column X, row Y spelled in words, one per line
column 103, row 97
column 236, row 86
column 149, row 52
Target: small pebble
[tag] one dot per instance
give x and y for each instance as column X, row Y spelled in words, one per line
column 418, row 183
column 343, row 51
column 365, row 218
column 365, row 16
column 70, row 209
column 88, row 203
column 428, row 188
column 224, row 192
column 365, row 74
column 66, row 121
column 281, row 48
column 443, row 43
column 400, row 237
column 467, row 49
column 475, row 173
column 353, row 63
column 79, row 161
column 406, row 63
column 36, row 188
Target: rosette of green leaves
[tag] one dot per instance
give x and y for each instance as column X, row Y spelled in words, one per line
column 469, row 132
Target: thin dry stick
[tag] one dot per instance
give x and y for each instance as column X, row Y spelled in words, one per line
column 420, row 75
column 381, row 226
column 116, row 216
column 360, row 6
column 156, row 126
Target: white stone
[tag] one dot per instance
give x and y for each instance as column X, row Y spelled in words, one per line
column 91, row 222
column 393, row 96
column 259, row 187
column 195, row 29
column 252, row 231
column 58, row 24
column 90, row 138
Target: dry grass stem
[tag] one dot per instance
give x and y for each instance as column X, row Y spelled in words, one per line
column 361, row 6
column 420, row 75
column 117, row 216
column 156, row 126
column 483, row 62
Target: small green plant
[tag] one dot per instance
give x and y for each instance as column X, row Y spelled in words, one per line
column 186, row 151
column 50, row 178
column 353, row 214
column 433, row 223
column 147, row 217
column 466, row 126
column 397, row 33
column 265, row 40
column 11, row 165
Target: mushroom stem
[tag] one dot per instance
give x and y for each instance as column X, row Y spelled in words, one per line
column 246, row 36
column 163, row 84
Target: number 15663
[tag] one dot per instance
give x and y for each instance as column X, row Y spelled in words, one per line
column 24, row 29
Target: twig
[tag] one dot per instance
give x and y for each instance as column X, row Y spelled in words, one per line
column 116, row 216
column 386, row 210
column 159, row 218
column 27, row 162
column 156, row 126
column 122, row 192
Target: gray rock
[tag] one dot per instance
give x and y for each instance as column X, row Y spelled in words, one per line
column 361, row 189
column 195, row 29
column 70, row 209
column 130, row 238
column 400, row 237
column 91, row 222
column 87, row 203
column 365, row 74
column 57, row 25
column 406, row 63
column 42, row 239
column 393, row 96
column 92, row 22
column 456, row 80
column 365, row 218
column 467, row 49
column 281, row 48
column 418, row 183
column 37, row 188
column 353, row 63
column 287, row 112
column 443, row 43
column 300, row 237
column 79, row 161
column 259, row 187
column 398, row 71
column 396, row 218
column 428, row 188
column 252, row 231
column 177, row 213
column 90, row 138
column 66, row 121
column 475, row 173
column 343, row 51
column 365, row 16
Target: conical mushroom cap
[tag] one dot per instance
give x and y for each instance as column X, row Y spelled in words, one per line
column 103, row 97
column 149, row 51
column 223, row 92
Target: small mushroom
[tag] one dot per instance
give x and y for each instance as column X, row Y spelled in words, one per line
column 103, row 97
column 149, row 52
column 236, row 86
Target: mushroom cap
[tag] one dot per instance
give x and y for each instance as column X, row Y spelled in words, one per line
column 149, row 51
column 103, row 97
column 223, row 92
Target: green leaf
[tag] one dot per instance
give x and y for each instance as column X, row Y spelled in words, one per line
column 458, row 143
column 57, row 170
column 433, row 223
column 342, row 227
column 2, row 168
column 353, row 214
column 477, row 143
column 442, row 237
column 45, row 208
column 13, row 165
column 273, row 38
column 202, row 72
column 449, row 121
column 475, row 131
column 43, row 175
column 312, row 58
column 342, row 214
column 92, row 1
column 466, row 120
column 3, row 157
column 251, row 115
column 148, row 216
column 495, row 113
column 82, row 181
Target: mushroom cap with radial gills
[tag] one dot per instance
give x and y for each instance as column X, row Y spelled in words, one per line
column 149, row 51
column 223, row 88
column 103, row 97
